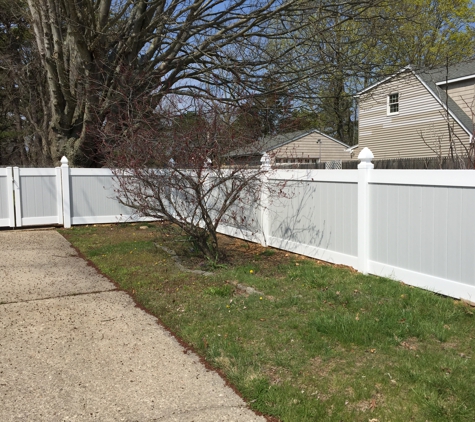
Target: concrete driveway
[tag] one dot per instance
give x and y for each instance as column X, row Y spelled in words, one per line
column 74, row 348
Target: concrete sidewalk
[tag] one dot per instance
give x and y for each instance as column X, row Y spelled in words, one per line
column 72, row 347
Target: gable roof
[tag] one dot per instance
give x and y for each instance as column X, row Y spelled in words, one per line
column 434, row 81
column 271, row 142
column 452, row 73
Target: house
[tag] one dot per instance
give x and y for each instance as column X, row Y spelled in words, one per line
column 300, row 147
column 419, row 113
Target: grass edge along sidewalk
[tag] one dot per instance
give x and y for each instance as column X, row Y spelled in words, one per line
column 316, row 342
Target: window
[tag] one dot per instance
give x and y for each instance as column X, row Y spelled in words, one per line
column 393, row 103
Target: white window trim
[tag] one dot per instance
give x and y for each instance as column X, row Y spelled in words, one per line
column 388, row 108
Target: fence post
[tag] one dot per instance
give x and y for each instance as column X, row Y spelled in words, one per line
column 66, row 193
column 10, row 197
column 16, row 189
column 206, row 174
column 59, row 195
column 364, row 169
column 264, row 192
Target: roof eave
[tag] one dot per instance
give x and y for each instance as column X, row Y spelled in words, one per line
column 447, row 109
column 306, row 134
column 369, row 88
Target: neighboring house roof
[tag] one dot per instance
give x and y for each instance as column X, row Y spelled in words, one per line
column 271, row 142
column 434, row 81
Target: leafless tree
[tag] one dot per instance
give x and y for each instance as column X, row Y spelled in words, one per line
column 197, row 48
column 450, row 150
column 173, row 162
column 186, row 47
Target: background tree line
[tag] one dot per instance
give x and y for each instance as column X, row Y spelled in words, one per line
column 69, row 68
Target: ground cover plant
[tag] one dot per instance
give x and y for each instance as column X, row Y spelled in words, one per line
column 311, row 341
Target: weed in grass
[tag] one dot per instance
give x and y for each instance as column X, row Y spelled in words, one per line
column 221, row 291
column 214, row 265
column 268, row 252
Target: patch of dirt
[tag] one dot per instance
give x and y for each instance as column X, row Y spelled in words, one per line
column 411, row 343
column 320, row 367
column 239, row 252
column 369, row 405
column 449, row 346
column 277, row 375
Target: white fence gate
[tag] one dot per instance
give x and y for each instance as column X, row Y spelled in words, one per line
column 30, row 197
column 37, row 196
column 60, row 196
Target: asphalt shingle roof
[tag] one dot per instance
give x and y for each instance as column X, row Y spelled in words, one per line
column 270, row 142
column 441, row 74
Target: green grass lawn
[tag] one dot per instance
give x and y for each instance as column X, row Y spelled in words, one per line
column 317, row 343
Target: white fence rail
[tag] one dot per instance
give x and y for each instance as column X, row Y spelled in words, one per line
column 417, row 226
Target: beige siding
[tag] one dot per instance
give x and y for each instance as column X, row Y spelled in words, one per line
column 419, row 130
column 463, row 93
column 307, row 148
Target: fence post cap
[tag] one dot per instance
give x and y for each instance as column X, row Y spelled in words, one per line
column 365, row 156
column 64, row 161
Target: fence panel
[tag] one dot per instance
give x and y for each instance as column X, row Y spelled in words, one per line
column 7, row 213
column 422, row 229
column 244, row 219
column 92, row 198
column 37, row 196
column 316, row 215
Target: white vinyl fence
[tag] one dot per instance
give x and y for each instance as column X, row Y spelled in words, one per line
column 60, row 196
column 417, row 226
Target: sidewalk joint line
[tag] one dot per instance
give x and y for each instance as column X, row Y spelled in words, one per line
column 59, row 297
